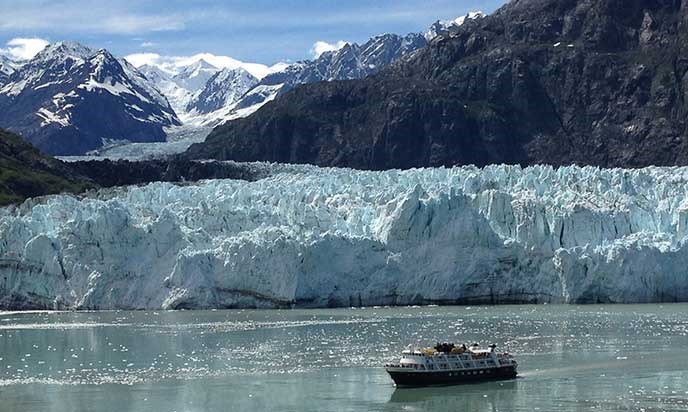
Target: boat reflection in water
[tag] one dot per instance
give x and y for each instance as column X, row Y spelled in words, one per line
column 485, row 396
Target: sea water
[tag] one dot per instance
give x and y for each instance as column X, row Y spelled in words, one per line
column 612, row 358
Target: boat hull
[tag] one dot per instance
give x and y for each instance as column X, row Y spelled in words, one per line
column 453, row 377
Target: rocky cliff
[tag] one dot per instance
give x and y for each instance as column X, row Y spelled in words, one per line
column 597, row 82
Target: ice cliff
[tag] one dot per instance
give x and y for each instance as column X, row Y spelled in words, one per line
column 314, row 237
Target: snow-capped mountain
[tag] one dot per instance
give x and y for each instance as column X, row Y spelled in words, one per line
column 177, row 95
column 184, row 80
column 353, row 61
column 441, row 27
column 70, row 99
column 195, row 76
column 221, row 90
column 221, row 98
column 338, row 237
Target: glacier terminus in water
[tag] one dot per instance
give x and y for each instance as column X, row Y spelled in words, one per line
column 313, row 237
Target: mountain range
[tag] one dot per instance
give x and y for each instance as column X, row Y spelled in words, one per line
column 70, row 99
column 352, row 61
column 238, row 92
column 599, row 82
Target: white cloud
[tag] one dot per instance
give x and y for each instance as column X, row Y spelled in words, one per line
column 23, row 48
column 85, row 16
column 148, row 44
column 138, row 24
column 320, row 47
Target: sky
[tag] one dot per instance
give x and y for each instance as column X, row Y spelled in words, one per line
column 260, row 31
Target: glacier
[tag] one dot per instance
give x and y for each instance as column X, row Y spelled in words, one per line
column 323, row 237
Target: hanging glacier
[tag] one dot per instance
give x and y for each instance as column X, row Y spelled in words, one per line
column 323, row 237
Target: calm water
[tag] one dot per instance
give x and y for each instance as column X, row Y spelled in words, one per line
column 572, row 358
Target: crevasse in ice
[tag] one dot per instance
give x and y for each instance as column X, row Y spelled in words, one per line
column 313, row 237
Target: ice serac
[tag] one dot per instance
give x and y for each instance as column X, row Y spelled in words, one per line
column 335, row 237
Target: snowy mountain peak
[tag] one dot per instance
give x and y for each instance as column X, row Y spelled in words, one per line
column 197, row 69
column 223, row 89
column 442, row 26
column 65, row 49
column 352, row 61
column 194, row 76
column 471, row 15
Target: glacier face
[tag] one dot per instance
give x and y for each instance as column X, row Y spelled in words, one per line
column 313, row 237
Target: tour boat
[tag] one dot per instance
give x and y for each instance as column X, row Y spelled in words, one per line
column 448, row 364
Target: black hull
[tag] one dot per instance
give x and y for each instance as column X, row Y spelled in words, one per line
column 452, row 377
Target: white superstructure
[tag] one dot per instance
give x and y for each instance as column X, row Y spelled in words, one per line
column 458, row 359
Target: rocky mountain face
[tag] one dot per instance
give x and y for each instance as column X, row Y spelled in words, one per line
column 6, row 69
column 70, row 99
column 597, row 82
column 221, row 90
column 353, row 61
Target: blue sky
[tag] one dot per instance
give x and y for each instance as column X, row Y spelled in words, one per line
column 262, row 31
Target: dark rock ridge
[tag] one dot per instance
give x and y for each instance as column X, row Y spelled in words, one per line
column 107, row 173
column 598, row 82
column 70, row 99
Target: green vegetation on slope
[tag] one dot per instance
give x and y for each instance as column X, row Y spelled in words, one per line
column 25, row 172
